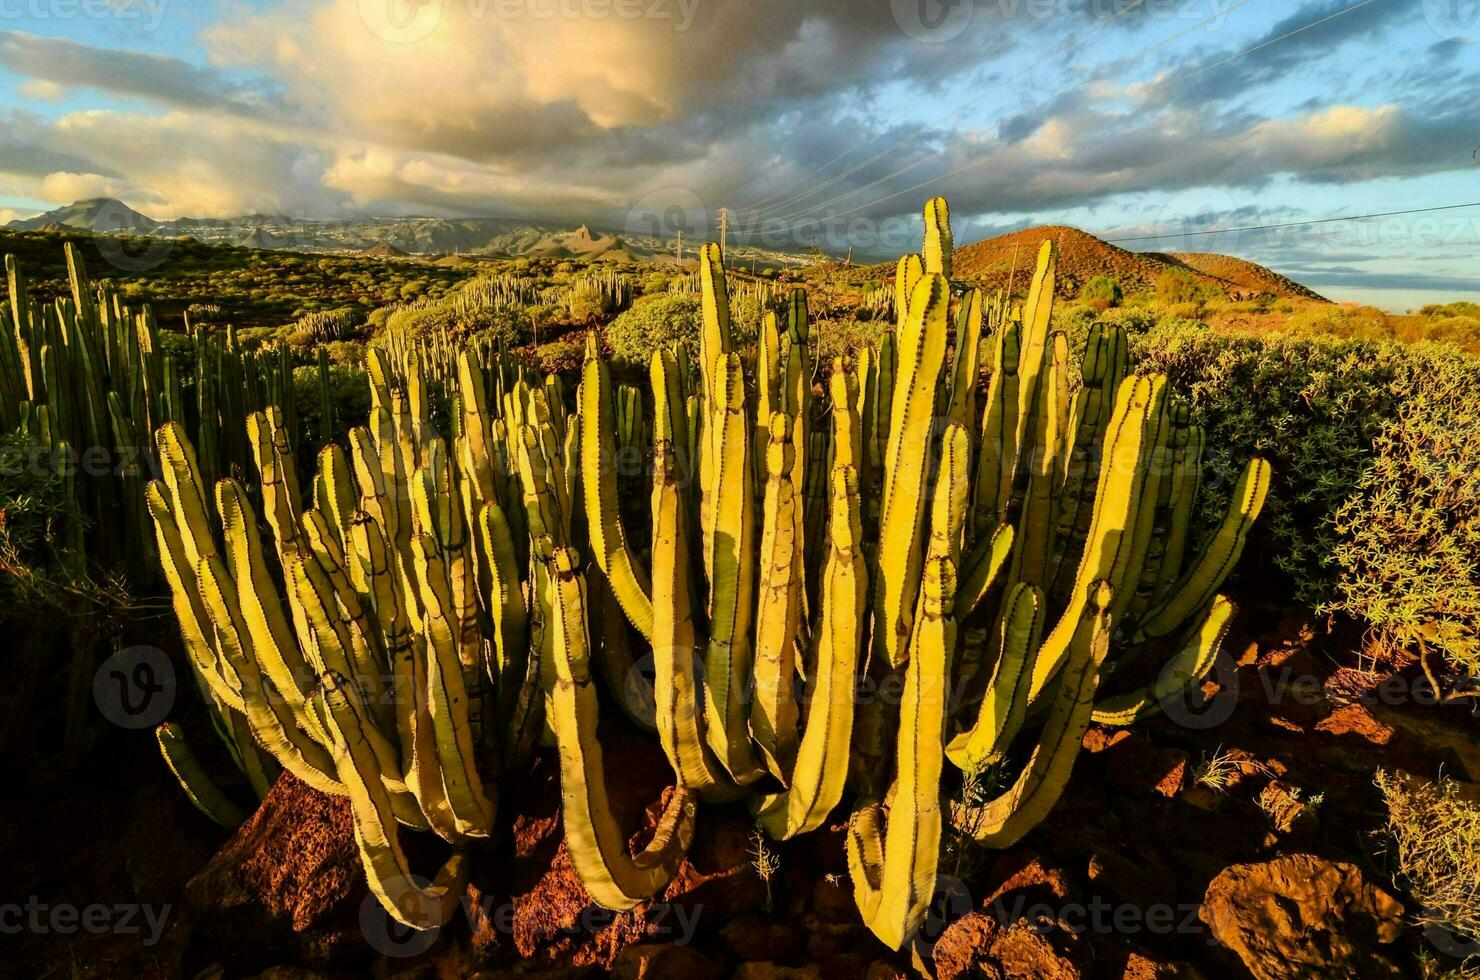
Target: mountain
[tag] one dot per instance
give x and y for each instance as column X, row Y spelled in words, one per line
column 1241, row 272
column 102, row 214
column 1082, row 256
column 446, row 240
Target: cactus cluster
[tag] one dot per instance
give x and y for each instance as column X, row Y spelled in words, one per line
column 810, row 541
column 86, row 378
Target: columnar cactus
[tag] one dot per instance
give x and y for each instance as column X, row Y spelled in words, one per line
column 994, row 551
column 727, row 708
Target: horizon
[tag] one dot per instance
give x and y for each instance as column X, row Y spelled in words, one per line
column 1161, row 121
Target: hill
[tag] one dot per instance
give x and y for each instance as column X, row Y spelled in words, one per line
column 103, row 214
column 419, row 237
column 1082, row 256
column 1240, row 272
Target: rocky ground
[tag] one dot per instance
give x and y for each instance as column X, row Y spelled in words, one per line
column 1235, row 841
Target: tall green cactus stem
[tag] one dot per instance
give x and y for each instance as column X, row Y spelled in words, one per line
column 894, row 867
column 1003, row 821
column 820, row 771
column 922, row 346
column 598, row 847
column 204, row 793
column 1193, row 660
column 629, row 581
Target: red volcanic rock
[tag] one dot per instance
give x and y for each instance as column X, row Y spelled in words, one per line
column 1300, row 915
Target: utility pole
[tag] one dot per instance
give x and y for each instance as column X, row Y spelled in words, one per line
column 724, row 233
column 680, row 248
column 849, row 263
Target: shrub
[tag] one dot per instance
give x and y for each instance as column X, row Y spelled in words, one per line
column 840, row 338
column 1101, row 292
column 1180, row 286
column 586, row 303
column 1409, row 535
column 653, row 324
column 561, row 356
column 312, row 329
column 1375, row 509
column 501, row 324
column 1435, row 839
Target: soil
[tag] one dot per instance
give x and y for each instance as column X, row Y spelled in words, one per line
column 1146, row 868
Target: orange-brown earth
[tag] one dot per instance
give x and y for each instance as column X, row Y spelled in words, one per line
column 1140, row 871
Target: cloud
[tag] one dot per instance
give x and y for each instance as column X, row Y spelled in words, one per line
column 166, row 166
column 63, row 186
column 38, row 88
column 60, row 62
column 1230, row 73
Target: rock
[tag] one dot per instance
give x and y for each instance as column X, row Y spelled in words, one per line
column 1134, row 764
column 1138, row 880
column 661, row 961
column 752, row 937
column 961, row 952
column 1291, row 810
column 286, row 887
column 1301, row 915
column 1023, row 950
column 554, row 919
column 1026, row 873
column 773, row 971
column 826, row 939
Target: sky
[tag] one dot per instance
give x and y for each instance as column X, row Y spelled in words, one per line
column 1155, row 123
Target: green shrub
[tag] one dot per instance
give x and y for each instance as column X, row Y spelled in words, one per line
column 1101, row 292
column 653, row 324
column 1408, row 539
column 586, row 303
column 1375, row 506
column 1180, row 286
column 840, row 338
column 561, row 356
column 1434, row 836
column 501, row 324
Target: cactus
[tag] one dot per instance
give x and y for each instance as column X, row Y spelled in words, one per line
column 309, row 669
column 727, row 709
column 1003, row 553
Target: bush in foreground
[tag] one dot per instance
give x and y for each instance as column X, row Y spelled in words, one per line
column 1375, row 506
column 1435, row 839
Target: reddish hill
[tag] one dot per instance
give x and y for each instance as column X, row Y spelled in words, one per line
column 1082, row 256
column 1241, row 272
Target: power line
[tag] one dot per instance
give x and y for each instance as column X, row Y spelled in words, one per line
column 1293, row 224
column 1094, row 77
column 1251, row 48
column 1073, row 40
column 1003, row 46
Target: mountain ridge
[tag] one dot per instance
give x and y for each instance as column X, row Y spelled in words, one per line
column 993, row 263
